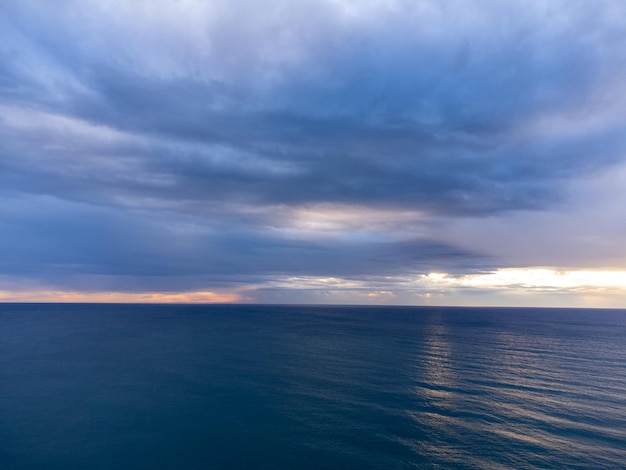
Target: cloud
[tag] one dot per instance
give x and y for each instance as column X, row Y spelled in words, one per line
column 70, row 245
column 421, row 107
column 187, row 146
column 586, row 230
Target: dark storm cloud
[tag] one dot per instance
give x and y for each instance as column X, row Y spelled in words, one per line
column 148, row 116
column 80, row 245
column 381, row 114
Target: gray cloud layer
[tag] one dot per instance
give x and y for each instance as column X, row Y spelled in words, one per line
column 171, row 145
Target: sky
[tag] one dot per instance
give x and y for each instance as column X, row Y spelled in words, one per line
column 414, row 152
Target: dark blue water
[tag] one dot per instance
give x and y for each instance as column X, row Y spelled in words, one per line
column 199, row 387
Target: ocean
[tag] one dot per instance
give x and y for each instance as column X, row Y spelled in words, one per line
column 311, row 387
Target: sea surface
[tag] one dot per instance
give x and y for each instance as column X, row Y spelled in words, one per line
column 304, row 387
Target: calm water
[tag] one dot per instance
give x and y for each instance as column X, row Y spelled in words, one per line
column 198, row 387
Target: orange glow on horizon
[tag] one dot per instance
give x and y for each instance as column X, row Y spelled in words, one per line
column 198, row 297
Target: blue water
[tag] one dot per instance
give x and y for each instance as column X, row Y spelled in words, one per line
column 201, row 387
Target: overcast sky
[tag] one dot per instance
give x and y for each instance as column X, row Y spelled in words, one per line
column 403, row 152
